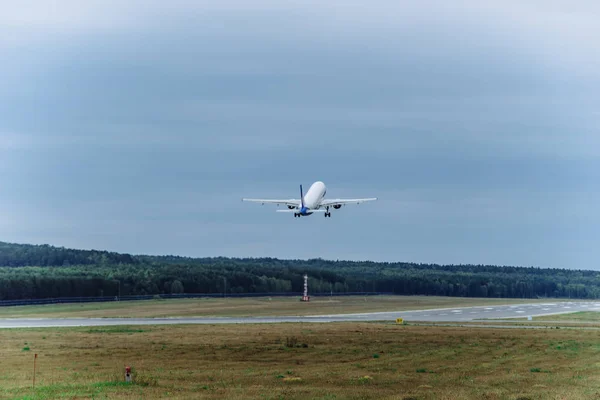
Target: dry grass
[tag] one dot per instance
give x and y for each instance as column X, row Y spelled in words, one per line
column 237, row 307
column 300, row 361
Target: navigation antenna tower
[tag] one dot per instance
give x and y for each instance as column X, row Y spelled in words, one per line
column 305, row 295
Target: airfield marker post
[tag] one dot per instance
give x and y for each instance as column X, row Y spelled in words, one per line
column 34, row 362
column 127, row 374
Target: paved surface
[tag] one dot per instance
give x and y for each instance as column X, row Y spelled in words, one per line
column 463, row 314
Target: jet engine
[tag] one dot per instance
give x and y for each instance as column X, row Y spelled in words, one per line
column 291, row 207
column 337, row 206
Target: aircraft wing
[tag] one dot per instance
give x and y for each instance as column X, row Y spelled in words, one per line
column 288, row 202
column 340, row 202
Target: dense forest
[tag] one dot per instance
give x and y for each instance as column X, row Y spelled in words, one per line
column 37, row 272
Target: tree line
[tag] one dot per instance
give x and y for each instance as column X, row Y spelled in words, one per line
column 20, row 255
column 35, row 272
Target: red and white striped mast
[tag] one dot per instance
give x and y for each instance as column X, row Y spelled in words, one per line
column 305, row 295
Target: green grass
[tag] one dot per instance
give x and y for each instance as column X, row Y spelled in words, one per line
column 577, row 317
column 116, row 329
column 91, row 390
column 580, row 316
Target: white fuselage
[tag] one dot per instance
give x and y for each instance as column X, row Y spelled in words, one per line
column 315, row 195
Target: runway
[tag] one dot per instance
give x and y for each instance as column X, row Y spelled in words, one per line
column 461, row 314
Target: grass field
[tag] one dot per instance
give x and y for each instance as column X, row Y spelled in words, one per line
column 301, row 361
column 238, row 307
column 581, row 316
column 577, row 318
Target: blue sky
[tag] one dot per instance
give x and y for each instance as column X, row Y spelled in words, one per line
column 139, row 127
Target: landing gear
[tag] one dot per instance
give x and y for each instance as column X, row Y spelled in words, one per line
column 296, row 215
column 327, row 214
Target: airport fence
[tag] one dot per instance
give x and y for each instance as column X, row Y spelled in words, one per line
column 60, row 300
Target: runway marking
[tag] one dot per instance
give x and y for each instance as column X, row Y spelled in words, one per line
column 520, row 311
column 489, row 308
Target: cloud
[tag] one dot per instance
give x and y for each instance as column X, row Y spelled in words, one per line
column 13, row 141
column 138, row 126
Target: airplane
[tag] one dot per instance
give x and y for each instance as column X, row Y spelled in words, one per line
column 314, row 201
